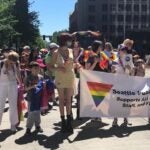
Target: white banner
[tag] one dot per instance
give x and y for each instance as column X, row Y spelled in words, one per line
column 113, row 95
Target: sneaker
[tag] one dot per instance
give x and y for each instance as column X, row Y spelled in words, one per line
column 39, row 129
column 28, row 131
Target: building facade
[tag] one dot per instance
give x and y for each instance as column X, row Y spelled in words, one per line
column 114, row 18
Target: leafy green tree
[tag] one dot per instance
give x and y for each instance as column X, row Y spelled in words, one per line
column 40, row 43
column 56, row 34
column 28, row 23
column 7, row 22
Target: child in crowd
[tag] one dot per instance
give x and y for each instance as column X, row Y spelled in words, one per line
column 34, row 98
column 48, row 88
column 123, row 66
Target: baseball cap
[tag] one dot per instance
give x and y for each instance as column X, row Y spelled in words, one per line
column 140, row 61
column 26, row 47
column 53, row 45
column 40, row 63
column 43, row 50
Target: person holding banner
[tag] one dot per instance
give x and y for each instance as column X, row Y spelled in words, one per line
column 124, row 66
column 94, row 60
column 140, row 71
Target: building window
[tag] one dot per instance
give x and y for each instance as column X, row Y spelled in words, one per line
column 112, row 28
column 135, row 27
column 128, row 7
column 91, row 19
column 104, row 18
column 144, row 8
column 91, row 28
column 129, row 1
column 91, row 8
column 143, row 26
column 112, row 18
column 112, row 7
column 128, row 18
column 120, row 7
column 128, row 27
column 120, row 18
column 104, row 28
column 136, row 18
column 120, row 28
column 104, row 7
column 136, row 8
column 148, row 18
column 143, row 18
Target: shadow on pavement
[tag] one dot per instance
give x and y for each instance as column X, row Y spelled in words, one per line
column 6, row 133
column 6, row 109
column 88, row 131
column 54, row 141
column 76, row 123
column 25, row 139
column 91, row 130
column 51, row 142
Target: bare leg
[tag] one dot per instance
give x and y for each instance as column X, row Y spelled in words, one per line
column 69, row 94
column 61, row 101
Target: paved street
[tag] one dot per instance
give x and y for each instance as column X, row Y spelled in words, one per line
column 88, row 134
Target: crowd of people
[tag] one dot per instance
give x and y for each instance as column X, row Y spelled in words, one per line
column 39, row 73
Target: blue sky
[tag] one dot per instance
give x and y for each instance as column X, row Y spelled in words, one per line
column 53, row 14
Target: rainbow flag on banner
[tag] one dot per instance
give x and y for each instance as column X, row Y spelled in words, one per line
column 99, row 91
